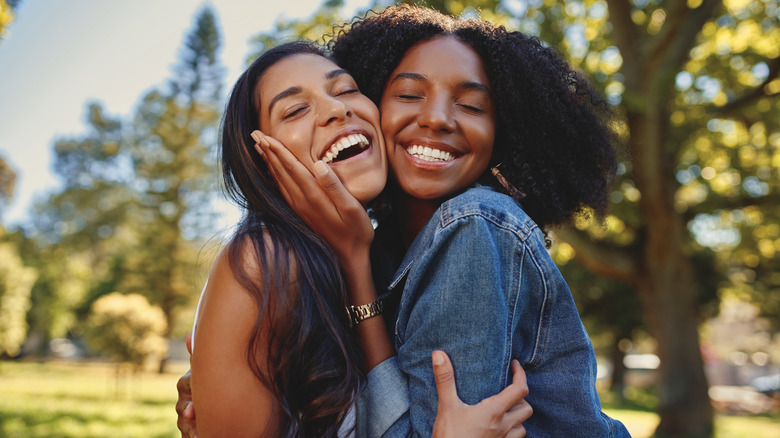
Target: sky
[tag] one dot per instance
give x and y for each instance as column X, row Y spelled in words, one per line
column 59, row 55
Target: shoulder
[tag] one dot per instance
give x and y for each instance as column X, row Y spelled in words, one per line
column 234, row 288
column 225, row 329
column 483, row 205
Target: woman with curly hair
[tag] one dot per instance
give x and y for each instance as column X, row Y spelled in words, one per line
column 274, row 351
column 492, row 138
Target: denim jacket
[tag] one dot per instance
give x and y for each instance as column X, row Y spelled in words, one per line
column 478, row 283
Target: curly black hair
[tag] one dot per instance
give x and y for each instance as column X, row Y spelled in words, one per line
column 553, row 144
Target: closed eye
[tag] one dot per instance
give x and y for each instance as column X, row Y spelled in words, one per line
column 471, row 108
column 346, row 92
column 294, row 112
column 409, row 97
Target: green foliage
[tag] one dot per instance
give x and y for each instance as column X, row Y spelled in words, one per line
column 6, row 14
column 137, row 199
column 127, row 328
column 317, row 27
column 16, row 281
column 7, row 183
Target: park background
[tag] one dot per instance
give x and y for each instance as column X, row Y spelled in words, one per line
column 112, row 213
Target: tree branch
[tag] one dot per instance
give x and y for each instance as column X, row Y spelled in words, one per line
column 609, row 261
column 670, row 48
column 732, row 203
column 626, row 36
column 752, row 95
column 683, row 41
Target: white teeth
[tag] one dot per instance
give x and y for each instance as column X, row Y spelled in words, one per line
column 427, row 154
column 344, row 143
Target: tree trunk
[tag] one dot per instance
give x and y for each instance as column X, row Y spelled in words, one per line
column 618, row 381
column 669, row 300
column 666, row 283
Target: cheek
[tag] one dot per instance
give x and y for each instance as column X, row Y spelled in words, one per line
column 297, row 141
column 392, row 121
column 485, row 135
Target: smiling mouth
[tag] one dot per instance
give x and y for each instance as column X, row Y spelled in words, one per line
column 429, row 154
column 346, row 147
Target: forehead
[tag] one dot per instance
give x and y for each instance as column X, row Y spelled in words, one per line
column 304, row 70
column 443, row 57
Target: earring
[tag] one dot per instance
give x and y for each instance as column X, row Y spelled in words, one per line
column 513, row 192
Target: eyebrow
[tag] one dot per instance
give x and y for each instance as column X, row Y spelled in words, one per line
column 286, row 93
column 295, row 90
column 417, row 77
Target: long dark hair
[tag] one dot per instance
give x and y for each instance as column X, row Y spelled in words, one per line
column 313, row 359
column 553, row 143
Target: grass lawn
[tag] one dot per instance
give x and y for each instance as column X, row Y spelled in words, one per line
column 641, row 424
column 70, row 399
column 84, row 399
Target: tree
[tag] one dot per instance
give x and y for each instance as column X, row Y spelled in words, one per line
column 694, row 81
column 87, row 228
column 127, row 329
column 137, row 199
column 172, row 152
column 16, row 281
column 7, row 16
column 7, row 183
column 694, row 212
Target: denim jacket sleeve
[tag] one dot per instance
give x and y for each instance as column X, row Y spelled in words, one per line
column 481, row 287
column 461, row 296
column 383, row 405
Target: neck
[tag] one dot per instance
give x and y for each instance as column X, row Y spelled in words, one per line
column 414, row 214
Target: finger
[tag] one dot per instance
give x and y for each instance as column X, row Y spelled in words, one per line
column 334, row 189
column 274, row 171
column 288, row 172
column 188, row 342
column 278, row 176
column 189, row 411
column 511, row 423
column 186, row 427
column 514, row 393
column 444, row 375
column 183, row 386
column 518, row 432
column 519, row 413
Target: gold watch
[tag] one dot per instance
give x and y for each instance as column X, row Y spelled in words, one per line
column 365, row 311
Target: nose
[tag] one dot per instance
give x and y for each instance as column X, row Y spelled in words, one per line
column 437, row 115
column 333, row 109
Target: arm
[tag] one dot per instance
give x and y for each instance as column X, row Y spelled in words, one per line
column 336, row 216
column 499, row 416
column 323, row 202
column 231, row 403
column 465, row 303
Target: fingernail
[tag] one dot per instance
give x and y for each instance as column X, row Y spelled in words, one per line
column 187, row 410
column 438, row 358
column 256, row 136
column 259, row 150
column 320, row 168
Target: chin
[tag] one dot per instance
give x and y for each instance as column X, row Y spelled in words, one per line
column 366, row 191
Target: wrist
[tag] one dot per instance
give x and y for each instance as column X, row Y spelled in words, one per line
column 364, row 311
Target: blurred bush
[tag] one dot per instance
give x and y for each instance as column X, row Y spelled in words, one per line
column 127, row 329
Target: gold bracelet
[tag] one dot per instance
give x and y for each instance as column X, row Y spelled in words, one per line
column 365, row 311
